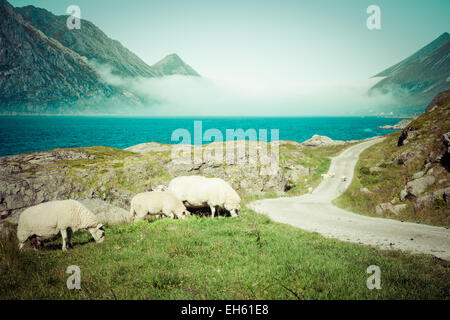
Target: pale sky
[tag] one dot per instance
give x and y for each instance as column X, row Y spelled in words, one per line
column 277, row 40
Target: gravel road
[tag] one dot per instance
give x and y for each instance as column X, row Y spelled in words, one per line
column 315, row 212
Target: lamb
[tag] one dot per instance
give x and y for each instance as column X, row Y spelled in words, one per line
column 198, row 191
column 157, row 203
column 46, row 221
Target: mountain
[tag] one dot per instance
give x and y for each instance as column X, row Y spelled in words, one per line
column 89, row 42
column 94, row 44
column 439, row 42
column 39, row 75
column 173, row 65
column 417, row 79
column 47, row 68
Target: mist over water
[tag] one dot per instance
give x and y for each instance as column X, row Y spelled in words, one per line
column 199, row 96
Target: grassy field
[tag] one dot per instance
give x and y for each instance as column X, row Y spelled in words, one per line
column 201, row 258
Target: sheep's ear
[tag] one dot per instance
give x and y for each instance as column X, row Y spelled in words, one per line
column 100, row 225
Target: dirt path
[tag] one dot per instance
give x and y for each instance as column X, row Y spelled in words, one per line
column 315, row 212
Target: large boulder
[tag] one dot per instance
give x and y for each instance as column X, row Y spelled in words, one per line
column 389, row 207
column 416, row 187
column 106, row 212
column 321, row 141
column 429, row 199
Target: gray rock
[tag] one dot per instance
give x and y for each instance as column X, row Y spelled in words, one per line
column 321, row 141
column 400, row 125
column 389, row 207
column 418, row 175
column 375, row 169
column 415, row 187
column 429, row 199
column 365, row 190
column 398, row 208
column 106, row 212
column 295, row 172
column 149, row 147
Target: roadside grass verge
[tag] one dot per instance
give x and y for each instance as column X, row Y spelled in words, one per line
column 249, row 257
column 386, row 184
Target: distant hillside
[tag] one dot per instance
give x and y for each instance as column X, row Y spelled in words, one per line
column 173, row 65
column 417, row 79
column 89, row 41
column 45, row 68
column 94, row 44
column 439, row 42
column 407, row 176
column 39, row 75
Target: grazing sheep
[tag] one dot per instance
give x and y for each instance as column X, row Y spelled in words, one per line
column 157, row 203
column 198, row 191
column 47, row 220
column 344, row 178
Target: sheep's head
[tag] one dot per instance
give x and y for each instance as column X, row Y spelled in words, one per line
column 233, row 208
column 184, row 214
column 98, row 233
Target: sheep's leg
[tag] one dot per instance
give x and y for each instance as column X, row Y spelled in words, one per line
column 69, row 238
column 213, row 211
column 64, row 239
column 21, row 244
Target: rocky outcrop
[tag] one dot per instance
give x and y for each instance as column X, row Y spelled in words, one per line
column 406, row 133
column 398, row 126
column 106, row 212
column 321, row 141
column 416, row 187
column 429, row 199
column 106, row 179
column 439, row 100
column 389, row 207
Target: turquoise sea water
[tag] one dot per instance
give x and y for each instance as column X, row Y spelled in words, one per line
column 21, row 134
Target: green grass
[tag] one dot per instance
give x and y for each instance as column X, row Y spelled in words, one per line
column 225, row 258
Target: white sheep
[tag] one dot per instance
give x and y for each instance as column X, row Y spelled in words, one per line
column 332, row 175
column 46, row 221
column 310, row 189
column 157, row 203
column 344, row 178
column 198, row 191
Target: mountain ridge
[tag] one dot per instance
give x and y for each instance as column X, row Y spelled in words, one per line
column 414, row 81
column 38, row 74
column 172, row 64
column 437, row 43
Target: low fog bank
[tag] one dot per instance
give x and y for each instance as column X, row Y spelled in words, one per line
column 195, row 96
